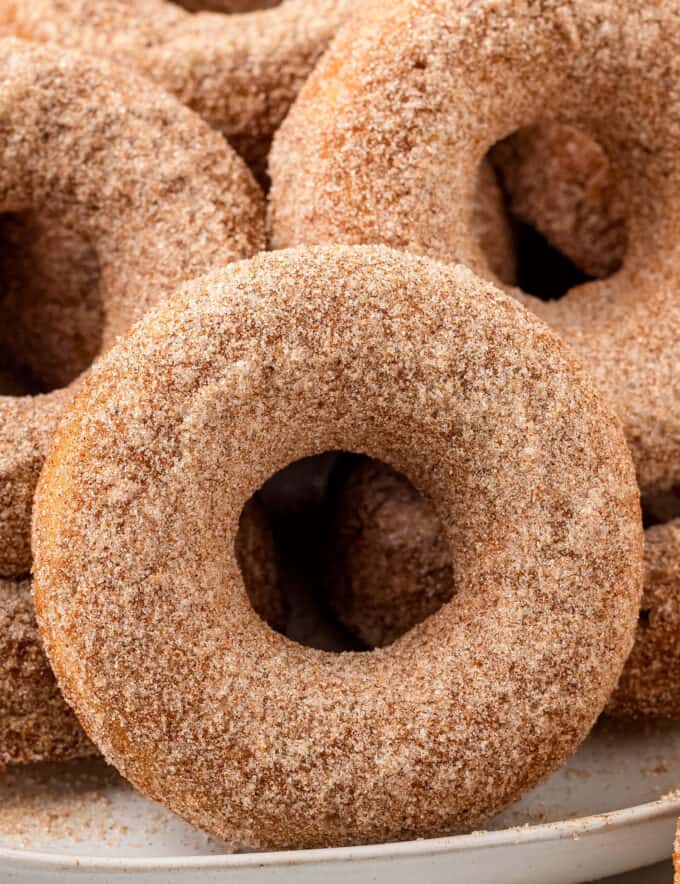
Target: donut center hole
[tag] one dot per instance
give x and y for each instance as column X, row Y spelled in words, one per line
column 566, row 212
column 660, row 507
column 359, row 554
column 51, row 313
column 226, row 6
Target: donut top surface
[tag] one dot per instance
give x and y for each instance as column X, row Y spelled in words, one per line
column 144, row 614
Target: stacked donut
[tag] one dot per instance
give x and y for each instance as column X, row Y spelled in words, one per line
column 483, row 545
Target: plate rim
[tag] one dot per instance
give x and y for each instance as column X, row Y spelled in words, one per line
column 482, row 838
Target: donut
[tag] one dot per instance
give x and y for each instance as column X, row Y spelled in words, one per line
column 236, row 728
column 556, row 179
column 386, row 137
column 240, row 73
column 36, row 724
column 650, row 684
column 122, row 166
column 388, row 568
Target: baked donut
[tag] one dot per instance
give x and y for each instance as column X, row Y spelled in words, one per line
column 140, row 603
column 650, row 683
column 556, row 179
column 240, row 73
column 36, row 724
column 126, row 168
column 388, row 568
column 385, row 140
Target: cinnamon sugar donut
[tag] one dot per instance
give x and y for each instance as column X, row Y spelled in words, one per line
column 650, row 683
column 158, row 195
column 36, row 724
column 240, row 73
column 268, row 743
column 389, row 568
column 386, row 137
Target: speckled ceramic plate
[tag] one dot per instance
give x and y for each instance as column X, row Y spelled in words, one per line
column 609, row 810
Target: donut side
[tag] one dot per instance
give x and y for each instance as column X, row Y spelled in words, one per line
column 650, row 684
column 388, row 565
column 36, row 724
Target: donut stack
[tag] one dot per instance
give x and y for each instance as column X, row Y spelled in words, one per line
column 174, row 340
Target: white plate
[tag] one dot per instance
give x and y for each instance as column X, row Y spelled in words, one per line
column 607, row 811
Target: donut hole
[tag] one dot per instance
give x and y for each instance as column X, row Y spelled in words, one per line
column 295, row 501
column 51, row 312
column 327, row 515
column 388, row 560
column 660, row 507
column 567, row 211
column 226, row 6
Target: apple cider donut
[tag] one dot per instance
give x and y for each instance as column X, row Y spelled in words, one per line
column 239, row 72
column 263, row 741
column 388, row 568
column 650, row 683
column 122, row 164
column 36, row 724
column 385, row 140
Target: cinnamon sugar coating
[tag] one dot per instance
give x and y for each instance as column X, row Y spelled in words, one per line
column 650, row 684
column 143, row 611
column 389, row 568
column 386, row 137
column 557, row 180
column 241, row 73
column 36, row 724
column 124, row 167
